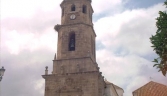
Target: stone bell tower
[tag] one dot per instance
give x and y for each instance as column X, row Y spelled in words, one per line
column 75, row 71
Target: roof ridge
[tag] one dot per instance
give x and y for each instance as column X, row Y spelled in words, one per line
column 160, row 84
column 142, row 86
column 151, row 86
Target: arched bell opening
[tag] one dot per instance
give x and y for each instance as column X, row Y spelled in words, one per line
column 71, row 45
column 84, row 9
column 73, row 8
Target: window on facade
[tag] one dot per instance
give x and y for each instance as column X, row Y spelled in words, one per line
column 73, row 8
column 71, row 46
column 84, row 9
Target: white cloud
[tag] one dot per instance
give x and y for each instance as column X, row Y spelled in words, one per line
column 16, row 41
column 134, row 85
column 125, row 38
column 27, row 26
column 129, row 30
column 103, row 5
column 39, row 85
column 26, row 8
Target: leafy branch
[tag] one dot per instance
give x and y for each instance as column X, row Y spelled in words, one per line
column 159, row 41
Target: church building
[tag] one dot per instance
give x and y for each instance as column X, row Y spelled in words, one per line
column 75, row 70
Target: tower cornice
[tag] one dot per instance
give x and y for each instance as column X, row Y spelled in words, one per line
column 58, row 27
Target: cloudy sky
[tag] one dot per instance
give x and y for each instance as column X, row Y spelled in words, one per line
column 123, row 28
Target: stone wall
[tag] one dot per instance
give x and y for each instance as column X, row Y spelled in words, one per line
column 78, row 84
column 74, row 66
column 84, row 36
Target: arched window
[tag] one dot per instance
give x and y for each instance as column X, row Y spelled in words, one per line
column 71, row 45
column 73, row 8
column 84, row 9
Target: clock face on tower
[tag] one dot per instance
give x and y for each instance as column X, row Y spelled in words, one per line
column 72, row 16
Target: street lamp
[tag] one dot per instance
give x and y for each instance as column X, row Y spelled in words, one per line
column 2, row 70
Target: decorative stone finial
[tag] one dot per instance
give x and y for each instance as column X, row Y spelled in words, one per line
column 46, row 70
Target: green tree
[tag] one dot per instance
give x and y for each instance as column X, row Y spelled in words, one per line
column 159, row 42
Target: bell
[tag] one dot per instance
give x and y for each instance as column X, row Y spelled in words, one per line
column 72, row 44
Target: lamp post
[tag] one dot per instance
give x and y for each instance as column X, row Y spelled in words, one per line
column 2, row 70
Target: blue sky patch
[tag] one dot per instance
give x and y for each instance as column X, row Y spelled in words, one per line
column 134, row 4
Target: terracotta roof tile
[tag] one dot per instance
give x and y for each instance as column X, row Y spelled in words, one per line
column 151, row 89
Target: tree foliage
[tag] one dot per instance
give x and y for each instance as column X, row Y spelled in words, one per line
column 159, row 41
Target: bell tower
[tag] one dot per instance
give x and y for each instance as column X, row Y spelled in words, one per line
column 74, row 12
column 75, row 71
column 76, row 36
